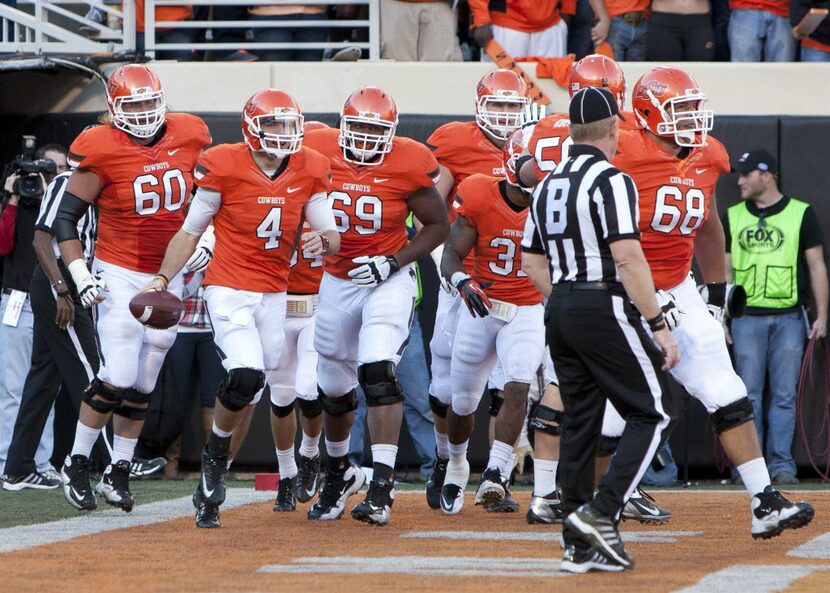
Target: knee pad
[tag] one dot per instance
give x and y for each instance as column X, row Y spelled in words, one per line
column 239, row 388
column 496, row 402
column 310, row 408
column 282, row 411
column 135, row 396
column 607, row 446
column 131, row 413
column 547, row 420
column 438, row 407
column 338, row 406
column 380, row 383
column 110, row 398
column 735, row 414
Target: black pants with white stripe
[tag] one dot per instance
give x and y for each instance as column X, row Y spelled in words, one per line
column 601, row 349
column 59, row 356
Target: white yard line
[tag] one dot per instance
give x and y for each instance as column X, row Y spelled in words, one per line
column 756, row 578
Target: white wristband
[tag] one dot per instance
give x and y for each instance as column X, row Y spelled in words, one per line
column 458, row 277
column 78, row 270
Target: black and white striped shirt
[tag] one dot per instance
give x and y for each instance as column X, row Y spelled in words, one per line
column 577, row 211
column 49, row 206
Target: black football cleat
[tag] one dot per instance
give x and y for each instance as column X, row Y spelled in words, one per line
column 114, row 486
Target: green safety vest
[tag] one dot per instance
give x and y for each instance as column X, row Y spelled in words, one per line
column 765, row 254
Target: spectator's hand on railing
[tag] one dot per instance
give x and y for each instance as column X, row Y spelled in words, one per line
column 482, row 35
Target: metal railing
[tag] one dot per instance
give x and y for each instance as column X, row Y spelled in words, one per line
column 31, row 29
column 49, row 27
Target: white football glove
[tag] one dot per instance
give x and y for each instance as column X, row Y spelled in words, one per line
column 373, row 270
column 716, row 312
column 199, row 260
column 671, row 312
column 90, row 288
column 532, row 113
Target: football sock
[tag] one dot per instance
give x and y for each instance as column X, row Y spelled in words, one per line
column 219, row 442
column 506, row 470
column 755, row 475
column 85, row 438
column 500, row 454
column 544, row 476
column 310, row 446
column 442, row 444
column 337, row 449
column 288, row 466
column 459, row 450
column 122, row 449
column 383, row 460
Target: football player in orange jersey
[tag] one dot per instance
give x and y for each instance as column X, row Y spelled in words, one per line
column 257, row 194
column 550, row 139
column 676, row 164
column 367, row 295
column 464, row 149
column 503, row 320
column 137, row 169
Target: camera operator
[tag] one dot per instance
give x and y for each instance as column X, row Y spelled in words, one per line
column 25, row 180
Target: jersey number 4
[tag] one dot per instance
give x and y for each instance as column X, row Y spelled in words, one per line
column 269, row 229
column 368, row 212
column 152, row 194
column 675, row 210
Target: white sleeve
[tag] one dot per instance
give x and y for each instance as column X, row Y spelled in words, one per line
column 203, row 208
column 318, row 213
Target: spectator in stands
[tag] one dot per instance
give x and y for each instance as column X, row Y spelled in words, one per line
column 286, row 34
column 419, row 30
column 769, row 239
column 680, row 30
column 17, row 228
column 816, row 46
column 720, row 25
column 628, row 29
column 522, row 27
column 760, row 31
column 167, row 34
column 580, row 18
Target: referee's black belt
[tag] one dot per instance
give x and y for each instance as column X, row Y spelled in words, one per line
column 612, row 287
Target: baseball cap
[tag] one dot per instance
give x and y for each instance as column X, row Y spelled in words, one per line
column 593, row 104
column 753, row 160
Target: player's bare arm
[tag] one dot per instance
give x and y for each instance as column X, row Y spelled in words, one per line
column 710, row 246
column 636, row 279
column 462, row 238
column 428, row 207
column 445, row 181
column 535, row 265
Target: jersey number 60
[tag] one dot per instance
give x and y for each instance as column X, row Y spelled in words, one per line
column 148, row 201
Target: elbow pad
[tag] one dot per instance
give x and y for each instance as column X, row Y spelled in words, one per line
column 71, row 210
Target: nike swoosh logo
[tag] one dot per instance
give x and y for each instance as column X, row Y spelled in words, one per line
column 291, row 190
column 172, row 152
column 207, row 492
column 380, row 179
column 699, row 171
column 75, row 493
column 311, row 492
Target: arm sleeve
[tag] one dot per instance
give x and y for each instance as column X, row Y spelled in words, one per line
column 318, row 213
column 727, row 232
column 810, row 235
column 8, row 221
column 204, row 207
column 619, row 210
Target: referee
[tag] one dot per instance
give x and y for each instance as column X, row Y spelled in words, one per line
column 582, row 234
column 64, row 348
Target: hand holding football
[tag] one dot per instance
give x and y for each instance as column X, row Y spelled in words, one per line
column 158, row 309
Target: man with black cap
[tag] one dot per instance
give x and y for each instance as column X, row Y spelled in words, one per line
column 772, row 240
column 582, row 237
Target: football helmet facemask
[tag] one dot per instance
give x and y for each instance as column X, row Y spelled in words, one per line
column 135, row 100
column 272, row 123
column 501, row 98
column 368, row 122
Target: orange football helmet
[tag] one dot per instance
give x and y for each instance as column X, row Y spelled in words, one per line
column 598, row 71
column 369, row 106
column 669, row 102
column 134, row 84
column 278, row 112
column 495, row 92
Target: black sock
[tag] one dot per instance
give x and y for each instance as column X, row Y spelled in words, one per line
column 381, row 471
column 219, row 446
column 338, row 464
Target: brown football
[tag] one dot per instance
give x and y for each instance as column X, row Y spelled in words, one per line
column 159, row 309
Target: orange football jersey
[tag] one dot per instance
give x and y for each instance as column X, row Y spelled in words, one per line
column 674, row 199
column 464, row 149
column 259, row 217
column 551, row 140
column 144, row 188
column 369, row 202
column 483, row 201
column 306, row 270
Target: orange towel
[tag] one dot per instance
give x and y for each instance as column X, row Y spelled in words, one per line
column 556, row 68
